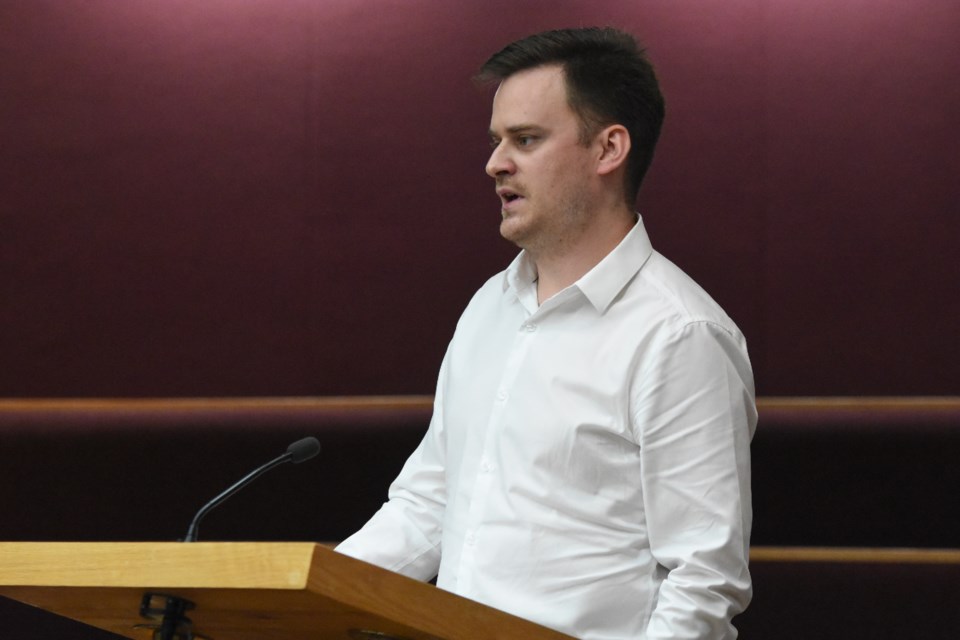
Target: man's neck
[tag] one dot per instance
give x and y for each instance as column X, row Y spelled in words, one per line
column 561, row 267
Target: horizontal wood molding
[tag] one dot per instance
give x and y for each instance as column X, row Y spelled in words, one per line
column 861, row 403
column 856, row 555
column 187, row 405
column 934, row 404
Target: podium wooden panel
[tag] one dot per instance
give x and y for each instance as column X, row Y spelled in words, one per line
column 246, row 591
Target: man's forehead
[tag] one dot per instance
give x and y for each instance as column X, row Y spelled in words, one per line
column 527, row 97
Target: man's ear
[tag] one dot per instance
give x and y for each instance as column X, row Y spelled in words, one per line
column 614, row 143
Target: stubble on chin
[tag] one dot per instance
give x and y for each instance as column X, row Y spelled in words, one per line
column 548, row 233
column 509, row 229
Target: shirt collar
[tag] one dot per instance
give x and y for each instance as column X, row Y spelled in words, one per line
column 602, row 283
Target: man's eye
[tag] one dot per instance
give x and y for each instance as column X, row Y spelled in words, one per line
column 525, row 141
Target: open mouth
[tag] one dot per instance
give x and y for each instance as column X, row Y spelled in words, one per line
column 508, row 196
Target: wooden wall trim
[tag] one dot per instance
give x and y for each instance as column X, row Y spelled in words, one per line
column 250, row 404
column 812, row 405
column 855, row 555
column 860, row 403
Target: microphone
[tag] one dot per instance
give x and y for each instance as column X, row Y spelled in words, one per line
column 299, row 451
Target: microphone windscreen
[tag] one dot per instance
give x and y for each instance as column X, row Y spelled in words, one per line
column 302, row 450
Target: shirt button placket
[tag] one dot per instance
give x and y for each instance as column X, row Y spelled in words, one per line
column 485, row 479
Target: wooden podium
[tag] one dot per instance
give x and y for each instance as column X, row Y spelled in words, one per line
column 245, row 591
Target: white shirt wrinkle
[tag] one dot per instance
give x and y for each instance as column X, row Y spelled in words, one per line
column 587, row 466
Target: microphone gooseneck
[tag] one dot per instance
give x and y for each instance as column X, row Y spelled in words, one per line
column 299, row 451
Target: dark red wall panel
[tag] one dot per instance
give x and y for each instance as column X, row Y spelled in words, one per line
column 280, row 198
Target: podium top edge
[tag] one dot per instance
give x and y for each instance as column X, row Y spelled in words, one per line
column 241, row 565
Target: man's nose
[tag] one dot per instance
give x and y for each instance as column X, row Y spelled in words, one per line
column 499, row 162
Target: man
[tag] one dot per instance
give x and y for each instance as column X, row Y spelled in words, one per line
column 587, row 466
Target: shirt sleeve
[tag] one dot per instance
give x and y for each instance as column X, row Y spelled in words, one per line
column 404, row 535
column 694, row 415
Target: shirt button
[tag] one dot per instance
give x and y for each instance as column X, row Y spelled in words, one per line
column 486, row 466
column 470, row 539
column 502, row 394
column 528, row 327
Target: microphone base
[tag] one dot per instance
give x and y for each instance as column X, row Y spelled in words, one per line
column 173, row 622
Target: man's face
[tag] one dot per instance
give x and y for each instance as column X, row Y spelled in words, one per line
column 546, row 177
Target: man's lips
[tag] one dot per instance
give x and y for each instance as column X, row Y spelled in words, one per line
column 508, row 195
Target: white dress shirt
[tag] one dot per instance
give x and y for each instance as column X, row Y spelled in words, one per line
column 587, row 466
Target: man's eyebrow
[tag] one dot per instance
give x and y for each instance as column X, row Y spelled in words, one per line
column 519, row 128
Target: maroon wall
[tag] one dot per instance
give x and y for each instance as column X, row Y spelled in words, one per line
column 236, row 197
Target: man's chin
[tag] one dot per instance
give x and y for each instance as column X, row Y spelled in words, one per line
column 511, row 230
